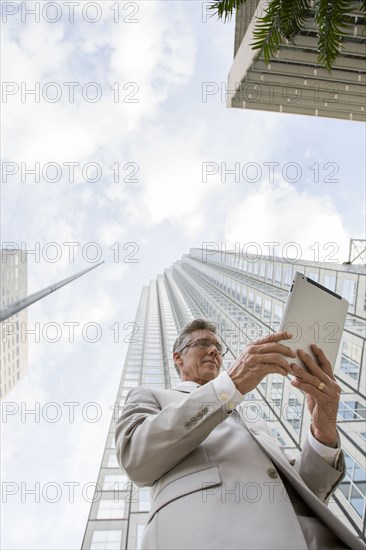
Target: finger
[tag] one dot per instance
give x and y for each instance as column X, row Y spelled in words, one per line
column 308, row 388
column 275, row 347
column 272, row 368
column 309, row 378
column 275, row 337
column 323, row 360
column 314, row 369
column 271, row 360
column 327, row 385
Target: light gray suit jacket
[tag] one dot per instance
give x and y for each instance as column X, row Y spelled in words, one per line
column 214, row 476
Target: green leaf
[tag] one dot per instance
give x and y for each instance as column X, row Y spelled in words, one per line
column 225, row 8
column 284, row 19
column 330, row 20
column 292, row 15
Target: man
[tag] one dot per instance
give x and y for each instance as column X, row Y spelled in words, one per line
column 220, row 480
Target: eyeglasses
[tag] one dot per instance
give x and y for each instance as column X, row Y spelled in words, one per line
column 206, row 343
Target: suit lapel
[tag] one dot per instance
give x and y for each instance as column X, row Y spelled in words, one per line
column 185, row 388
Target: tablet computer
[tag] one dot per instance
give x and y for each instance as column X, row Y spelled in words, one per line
column 313, row 314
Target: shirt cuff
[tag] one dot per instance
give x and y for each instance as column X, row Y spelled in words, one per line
column 226, row 391
column 329, row 454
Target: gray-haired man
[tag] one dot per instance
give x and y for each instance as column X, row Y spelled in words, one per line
column 218, row 480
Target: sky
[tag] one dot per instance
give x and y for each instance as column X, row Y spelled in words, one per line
column 124, row 153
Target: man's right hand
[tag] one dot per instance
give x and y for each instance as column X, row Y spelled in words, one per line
column 265, row 356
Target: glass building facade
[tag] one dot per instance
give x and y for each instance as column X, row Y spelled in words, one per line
column 245, row 296
column 14, row 347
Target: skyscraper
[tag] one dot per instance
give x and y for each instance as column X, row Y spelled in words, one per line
column 13, row 356
column 293, row 82
column 244, row 294
column 13, row 314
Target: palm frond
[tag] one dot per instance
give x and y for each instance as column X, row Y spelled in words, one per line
column 292, row 16
column 330, row 20
column 283, row 19
column 267, row 36
column 225, row 8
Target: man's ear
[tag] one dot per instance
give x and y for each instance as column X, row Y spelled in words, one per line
column 177, row 358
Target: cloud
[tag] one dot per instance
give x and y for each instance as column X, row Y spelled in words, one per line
column 134, row 66
column 278, row 212
column 172, row 186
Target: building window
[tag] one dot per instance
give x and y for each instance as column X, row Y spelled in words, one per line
column 149, row 379
column 351, row 410
column 249, row 396
column 131, row 384
column 278, row 436
column 330, row 282
column 117, row 482
column 276, row 391
column 267, row 310
column 294, row 412
column 349, row 291
column 152, row 370
column 288, row 276
column 140, row 532
column 109, row 509
column 278, row 274
column 106, row 540
column 144, row 500
column 349, row 365
column 112, row 462
column 277, row 313
column 353, row 486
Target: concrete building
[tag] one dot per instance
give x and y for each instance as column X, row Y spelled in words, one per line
column 244, row 295
column 14, row 355
column 293, row 82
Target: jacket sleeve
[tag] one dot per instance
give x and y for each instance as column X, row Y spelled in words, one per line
column 318, row 475
column 151, row 440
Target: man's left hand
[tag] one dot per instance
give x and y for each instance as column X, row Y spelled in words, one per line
column 322, row 393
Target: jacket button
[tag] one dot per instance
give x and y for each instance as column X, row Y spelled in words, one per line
column 193, row 419
column 272, row 472
column 205, row 410
column 223, row 396
column 199, row 414
column 187, row 424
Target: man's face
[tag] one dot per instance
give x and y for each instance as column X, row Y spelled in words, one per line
column 197, row 363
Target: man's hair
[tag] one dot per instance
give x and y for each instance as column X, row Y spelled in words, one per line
column 184, row 335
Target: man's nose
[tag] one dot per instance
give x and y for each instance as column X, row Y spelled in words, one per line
column 213, row 349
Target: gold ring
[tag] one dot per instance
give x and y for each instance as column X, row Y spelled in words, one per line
column 321, row 386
